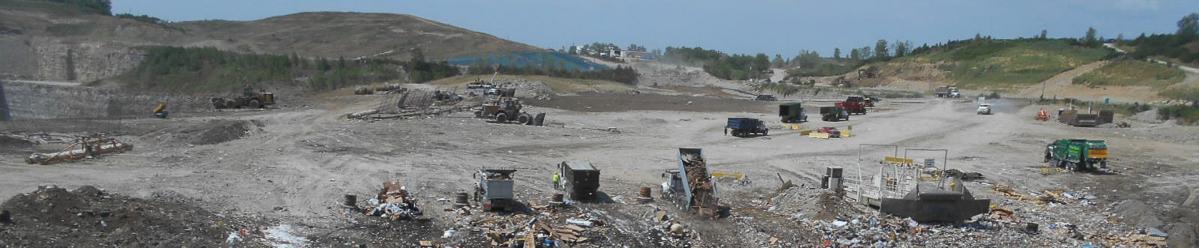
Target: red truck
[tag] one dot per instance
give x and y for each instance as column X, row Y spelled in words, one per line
column 853, row 105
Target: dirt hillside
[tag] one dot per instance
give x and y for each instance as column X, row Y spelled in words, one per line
column 47, row 41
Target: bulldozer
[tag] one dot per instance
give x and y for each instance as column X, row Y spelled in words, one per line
column 248, row 99
column 160, row 110
column 507, row 110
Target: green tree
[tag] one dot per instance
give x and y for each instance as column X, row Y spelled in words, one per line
column 855, row 55
column 778, row 61
column 902, row 48
column 1044, row 34
column 761, row 62
column 1090, row 39
column 837, row 53
column 880, row 49
column 1188, row 27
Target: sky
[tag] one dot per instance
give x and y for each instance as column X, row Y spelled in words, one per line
column 735, row 26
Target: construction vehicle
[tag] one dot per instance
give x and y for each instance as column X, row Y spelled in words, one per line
column 947, row 91
column 853, row 105
column 741, row 127
column 506, row 110
column 88, row 146
column 765, row 98
column 792, row 113
column 494, row 189
column 1077, row 154
column 1042, row 115
column 579, row 179
column 833, row 114
column 870, row 100
column 690, row 186
column 160, row 110
column 984, row 109
column 248, row 99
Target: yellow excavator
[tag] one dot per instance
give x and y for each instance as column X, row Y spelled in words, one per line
column 160, row 110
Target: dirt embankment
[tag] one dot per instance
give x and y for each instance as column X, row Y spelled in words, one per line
column 630, row 102
column 87, row 216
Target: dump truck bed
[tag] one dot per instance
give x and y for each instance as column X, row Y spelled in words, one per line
column 698, row 189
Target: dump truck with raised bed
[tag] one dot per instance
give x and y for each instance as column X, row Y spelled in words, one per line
column 792, row 113
column 742, row 127
column 1077, row 154
column 833, row 114
column 494, row 189
column 691, row 186
column 580, row 179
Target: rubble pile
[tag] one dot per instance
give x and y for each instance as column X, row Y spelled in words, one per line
column 393, row 202
column 413, row 103
column 88, row 216
column 808, row 203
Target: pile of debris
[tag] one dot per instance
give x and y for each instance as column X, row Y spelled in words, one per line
column 88, row 146
column 380, row 89
column 393, row 202
column 413, row 103
column 87, row 216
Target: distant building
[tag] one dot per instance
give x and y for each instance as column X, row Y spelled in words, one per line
column 629, row 55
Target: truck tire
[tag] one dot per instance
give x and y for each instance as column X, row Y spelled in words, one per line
column 501, row 117
column 523, row 119
column 540, row 119
column 764, row 132
column 254, row 103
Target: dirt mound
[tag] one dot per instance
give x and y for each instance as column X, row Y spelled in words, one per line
column 817, row 204
column 10, row 144
column 220, row 131
column 87, row 216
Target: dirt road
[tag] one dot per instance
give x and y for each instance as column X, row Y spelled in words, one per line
column 295, row 164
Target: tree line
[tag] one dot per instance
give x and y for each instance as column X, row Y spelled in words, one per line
column 177, row 68
column 719, row 64
column 1174, row 46
column 621, row 74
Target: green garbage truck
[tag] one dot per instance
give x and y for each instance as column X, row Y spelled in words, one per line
column 1077, row 154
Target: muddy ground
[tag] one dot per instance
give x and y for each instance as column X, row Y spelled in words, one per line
column 290, row 167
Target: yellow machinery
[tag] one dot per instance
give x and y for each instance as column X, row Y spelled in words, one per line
column 160, row 110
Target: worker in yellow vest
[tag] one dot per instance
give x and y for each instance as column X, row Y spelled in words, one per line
column 557, row 178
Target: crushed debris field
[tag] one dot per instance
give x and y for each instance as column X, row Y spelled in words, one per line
column 280, row 177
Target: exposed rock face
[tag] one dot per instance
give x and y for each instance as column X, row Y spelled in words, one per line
column 84, row 62
column 25, row 100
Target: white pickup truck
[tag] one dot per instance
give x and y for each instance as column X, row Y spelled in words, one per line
column 984, row 108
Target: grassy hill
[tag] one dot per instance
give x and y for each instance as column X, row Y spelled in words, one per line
column 49, row 40
column 1006, row 64
column 1128, row 72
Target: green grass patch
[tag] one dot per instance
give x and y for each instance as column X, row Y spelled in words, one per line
column 189, row 70
column 1186, row 115
column 1184, row 93
column 1132, row 73
column 1003, row 64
